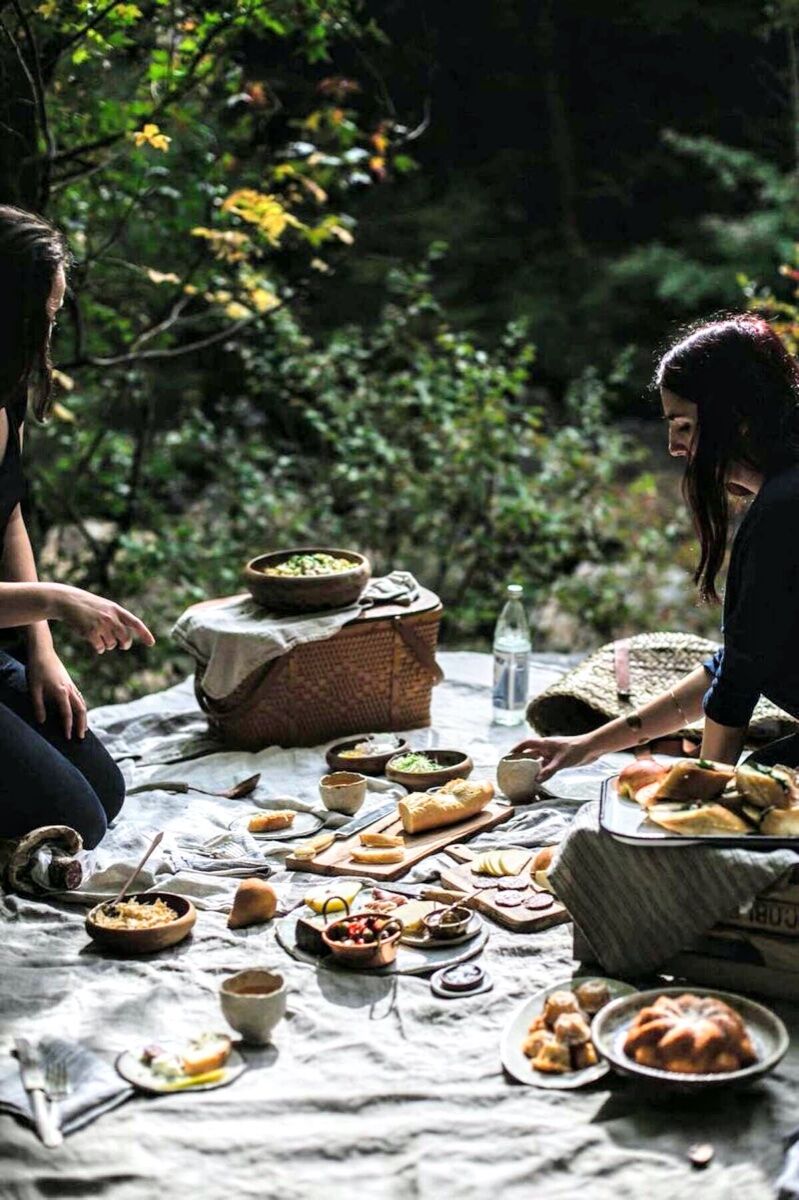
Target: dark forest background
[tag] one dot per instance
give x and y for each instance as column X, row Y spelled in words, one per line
column 391, row 276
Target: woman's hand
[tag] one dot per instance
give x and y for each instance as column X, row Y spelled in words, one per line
column 102, row 623
column 50, row 686
column 558, row 753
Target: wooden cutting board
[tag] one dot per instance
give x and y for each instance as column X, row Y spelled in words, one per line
column 336, row 859
column 460, row 877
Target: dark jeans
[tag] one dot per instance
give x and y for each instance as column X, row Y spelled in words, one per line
column 45, row 778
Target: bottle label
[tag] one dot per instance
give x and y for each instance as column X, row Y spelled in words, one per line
column 511, row 679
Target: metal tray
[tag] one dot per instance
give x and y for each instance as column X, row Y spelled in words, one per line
column 626, row 821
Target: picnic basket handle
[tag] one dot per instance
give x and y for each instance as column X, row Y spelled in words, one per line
column 420, row 649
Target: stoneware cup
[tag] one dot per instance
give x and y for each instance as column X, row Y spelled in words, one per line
column 343, row 791
column 517, row 775
column 253, row 1002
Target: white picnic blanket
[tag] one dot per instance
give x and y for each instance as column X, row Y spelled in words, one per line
column 373, row 1087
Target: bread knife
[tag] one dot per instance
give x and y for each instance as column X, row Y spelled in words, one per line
column 364, row 819
column 32, row 1076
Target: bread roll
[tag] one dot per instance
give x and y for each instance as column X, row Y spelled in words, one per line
column 206, row 1053
column 636, row 774
column 707, row 819
column 456, row 801
column 377, row 855
column 266, row 822
column 701, row 780
column 255, row 902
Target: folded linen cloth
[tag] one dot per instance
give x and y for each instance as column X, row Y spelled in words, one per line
column 231, row 638
column 94, row 1086
column 639, row 906
column 787, row 1185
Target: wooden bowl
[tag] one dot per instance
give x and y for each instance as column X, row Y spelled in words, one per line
column 365, row 764
column 145, row 941
column 454, row 765
column 307, row 593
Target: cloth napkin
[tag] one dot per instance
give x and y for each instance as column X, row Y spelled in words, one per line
column 787, row 1186
column 230, row 853
column 639, row 906
column 95, row 1086
column 231, row 638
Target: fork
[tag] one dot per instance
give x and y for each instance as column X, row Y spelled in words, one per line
column 58, row 1086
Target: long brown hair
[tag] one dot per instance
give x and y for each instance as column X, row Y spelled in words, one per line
column 745, row 384
column 31, row 251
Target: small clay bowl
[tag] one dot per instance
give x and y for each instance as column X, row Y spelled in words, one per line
column 307, row 593
column 454, row 764
column 442, row 931
column 145, row 941
column 343, row 791
column 366, row 764
column 374, row 954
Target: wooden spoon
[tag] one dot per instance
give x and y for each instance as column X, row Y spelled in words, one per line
column 244, row 788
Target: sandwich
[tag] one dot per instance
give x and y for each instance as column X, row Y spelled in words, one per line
column 702, row 821
column 767, row 787
column 700, row 780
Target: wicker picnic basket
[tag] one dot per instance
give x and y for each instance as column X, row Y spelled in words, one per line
column 619, row 677
column 375, row 675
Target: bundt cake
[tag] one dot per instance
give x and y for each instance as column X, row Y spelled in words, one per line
column 695, row 1035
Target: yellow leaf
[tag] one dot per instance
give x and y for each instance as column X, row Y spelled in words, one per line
column 237, row 311
column 190, row 289
column 48, row 9
column 63, row 380
column 319, row 194
column 312, row 121
column 282, row 171
column 63, row 414
column 263, row 300
column 262, row 210
column 318, row 264
column 151, row 135
column 161, row 276
column 342, row 234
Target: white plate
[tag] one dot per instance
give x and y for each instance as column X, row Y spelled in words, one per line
column 424, row 942
column 767, row 1032
column 626, row 821
column 130, row 1067
column 516, row 1062
column 303, row 825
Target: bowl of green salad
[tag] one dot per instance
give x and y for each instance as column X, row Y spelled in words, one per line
column 423, row 769
column 307, row 579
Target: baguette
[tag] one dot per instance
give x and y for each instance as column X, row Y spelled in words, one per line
column 312, row 846
column 266, row 822
column 457, row 801
column 376, row 855
column 382, row 840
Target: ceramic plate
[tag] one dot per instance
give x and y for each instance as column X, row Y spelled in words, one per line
column 516, row 1062
column 769, row 1038
column 424, row 942
column 303, row 825
column 129, row 1067
column 626, row 821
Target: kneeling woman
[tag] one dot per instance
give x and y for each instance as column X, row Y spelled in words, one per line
column 54, row 771
column 730, row 396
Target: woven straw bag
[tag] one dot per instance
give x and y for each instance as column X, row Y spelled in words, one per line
column 618, row 678
column 376, row 674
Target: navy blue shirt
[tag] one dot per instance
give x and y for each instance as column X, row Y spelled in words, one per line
column 760, row 656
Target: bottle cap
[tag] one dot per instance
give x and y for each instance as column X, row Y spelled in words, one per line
column 515, row 590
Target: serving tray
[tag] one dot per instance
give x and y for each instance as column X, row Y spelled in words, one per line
column 626, row 821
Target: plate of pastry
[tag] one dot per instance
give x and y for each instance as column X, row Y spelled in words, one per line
column 689, row 1038
column 199, row 1064
column 696, row 801
column 277, row 824
column 548, row 1041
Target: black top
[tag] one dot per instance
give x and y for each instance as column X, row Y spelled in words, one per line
column 761, row 609
column 12, row 479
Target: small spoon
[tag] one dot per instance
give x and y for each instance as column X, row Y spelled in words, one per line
column 155, row 842
column 243, row 788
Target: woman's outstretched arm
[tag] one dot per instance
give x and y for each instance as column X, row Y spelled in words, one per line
column 665, row 714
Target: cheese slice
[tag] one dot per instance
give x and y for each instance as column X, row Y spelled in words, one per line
column 346, row 890
column 413, row 913
column 382, row 839
column 383, row 855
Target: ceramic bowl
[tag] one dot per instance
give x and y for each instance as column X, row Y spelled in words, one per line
column 453, row 928
column 307, row 593
column 254, row 1001
column 366, row 764
column 145, row 941
column 454, row 764
column 517, row 775
column 343, row 791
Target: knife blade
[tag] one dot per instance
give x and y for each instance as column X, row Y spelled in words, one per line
column 32, row 1076
column 364, row 819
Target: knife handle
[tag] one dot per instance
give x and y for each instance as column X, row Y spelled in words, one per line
column 46, row 1125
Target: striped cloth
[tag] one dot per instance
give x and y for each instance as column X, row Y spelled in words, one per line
column 639, row 906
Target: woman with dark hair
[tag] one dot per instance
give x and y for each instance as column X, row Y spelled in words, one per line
column 730, row 396
column 54, row 771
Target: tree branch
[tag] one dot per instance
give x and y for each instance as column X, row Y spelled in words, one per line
column 167, row 353
column 81, row 33
column 37, row 83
